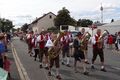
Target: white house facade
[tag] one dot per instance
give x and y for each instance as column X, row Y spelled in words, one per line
column 44, row 22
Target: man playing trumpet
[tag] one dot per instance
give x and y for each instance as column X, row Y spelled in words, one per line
column 97, row 42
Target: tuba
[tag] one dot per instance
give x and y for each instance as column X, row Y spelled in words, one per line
column 84, row 40
column 100, row 39
column 53, row 52
column 103, row 35
column 86, row 37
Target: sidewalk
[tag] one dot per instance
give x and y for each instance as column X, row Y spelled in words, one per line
column 14, row 70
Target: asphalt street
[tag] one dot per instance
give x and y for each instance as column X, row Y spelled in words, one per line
column 112, row 64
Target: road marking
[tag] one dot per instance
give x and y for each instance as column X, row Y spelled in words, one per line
column 117, row 68
column 22, row 72
column 115, row 52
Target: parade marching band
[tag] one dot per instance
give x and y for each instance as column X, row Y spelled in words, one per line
column 56, row 48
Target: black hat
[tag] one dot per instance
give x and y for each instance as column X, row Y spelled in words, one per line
column 79, row 33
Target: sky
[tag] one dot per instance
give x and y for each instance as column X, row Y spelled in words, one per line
column 25, row 11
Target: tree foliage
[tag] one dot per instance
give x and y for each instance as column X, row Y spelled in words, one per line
column 64, row 18
column 84, row 22
column 24, row 27
column 6, row 25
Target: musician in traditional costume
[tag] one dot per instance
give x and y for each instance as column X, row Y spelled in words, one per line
column 41, row 41
column 98, row 42
column 70, row 36
column 118, row 41
column 35, row 46
column 47, row 37
column 54, row 52
column 29, row 42
column 65, row 49
column 78, row 53
column 85, row 43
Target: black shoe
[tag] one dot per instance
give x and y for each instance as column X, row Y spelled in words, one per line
column 34, row 56
column 104, row 70
column 58, row 77
column 47, row 68
column 30, row 55
column 86, row 73
column 87, row 62
column 68, row 65
column 41, row 66
column 63, row 63
column 92, row 67
column 49, row 73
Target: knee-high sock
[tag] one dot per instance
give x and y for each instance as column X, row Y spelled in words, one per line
column 84, row 66
column 57, row 71
column 68, row 60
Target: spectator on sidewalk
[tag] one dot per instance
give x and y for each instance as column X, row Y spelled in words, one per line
column 2, row 49
column 118, row 40
column 116, row 46
column 6, row 65
column 110, row 41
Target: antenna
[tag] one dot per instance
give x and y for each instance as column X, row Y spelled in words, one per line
column 101, row 9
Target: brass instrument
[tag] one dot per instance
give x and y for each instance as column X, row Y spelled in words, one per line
column 103, row 35
column 86, row 37
column 100, row 39
column 53, row 52
column 84, row 40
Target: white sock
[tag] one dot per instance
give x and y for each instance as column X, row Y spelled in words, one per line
column 63, row 60
column 46, row 65
column 57, row 71
column 40, row 63
column 68, row 60
column 102, row 67
column 84, row 66
column 92, row 64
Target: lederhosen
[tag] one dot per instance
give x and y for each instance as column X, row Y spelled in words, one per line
column 97, row 50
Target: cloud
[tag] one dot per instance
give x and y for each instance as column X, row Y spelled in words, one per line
column 22, row 11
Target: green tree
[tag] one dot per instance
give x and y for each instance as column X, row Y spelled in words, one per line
column 6, row 25
column 64, row 18
column 84, row 22
column 24, row 27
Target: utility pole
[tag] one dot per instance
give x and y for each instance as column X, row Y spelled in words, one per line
column 101, row 9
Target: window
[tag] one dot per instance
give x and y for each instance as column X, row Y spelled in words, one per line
column 64, row 27
column 50, row 16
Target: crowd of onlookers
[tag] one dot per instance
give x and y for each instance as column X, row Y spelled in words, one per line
column 112, row 40
column 4, row 60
